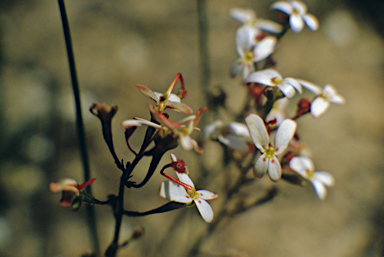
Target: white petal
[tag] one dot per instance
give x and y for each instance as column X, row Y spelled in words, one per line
column 207, row 195
column 264, row 77
column 183, row 177
column 274, row 169
column 260, row 167
column 257, row 131
column 311, row 21
column 310, row 86
column 302, row 165
column 283, row 6
column 287, row 90
column 319, row 106
column 212, row 128
column 186, row 142
column 269, row 26
column 332, row 95
column 236, row 67
column 242, row 15
column 247, row 69
column 324, row 177
column 297, row 165
column 174, row 192
column 293, row 82
column 284, row 134
column 239, row 129
column 245, row 39
column 204, row 209
column 296, row 22
column 320, row 189
column 139, row 122
column 264, row 48
column 299, row 6
column 235, row 143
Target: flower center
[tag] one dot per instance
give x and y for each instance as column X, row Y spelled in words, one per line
column 295, row 12
column 248, row 57
column 309, row 173
column 193, row 194
column 270, row 152
column 276, row 81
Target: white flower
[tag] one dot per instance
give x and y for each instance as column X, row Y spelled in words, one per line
column 251, row 49
column 248, row 17
column 319, row 179
column 235, row 135
column 298, row 15
column 272, row 78
column 324, row 97
column 177, row 193
column 268, row 160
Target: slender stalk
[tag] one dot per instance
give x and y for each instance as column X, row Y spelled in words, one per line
column 205, row 71
column 79, row 124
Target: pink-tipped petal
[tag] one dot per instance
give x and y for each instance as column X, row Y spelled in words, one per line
column 283, row 7
column 147, row 92
column 260, row 167
column 207, row 195
column 179, row 107
column 320, row 189
column 284, row 134
column 205, row 209
column 319, row 106
column 264, row 77
column 274, row 169
column 311, row 21
column 174, row 192
column 257, row 131
column 264, row 48
column 296, row 22
column 247, row 69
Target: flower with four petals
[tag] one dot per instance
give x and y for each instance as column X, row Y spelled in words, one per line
column 323, row 97
column 272, row 78
column 187, row 194
column 298, row 15
column 252, row 46
column 268, row 160
column 319, row 179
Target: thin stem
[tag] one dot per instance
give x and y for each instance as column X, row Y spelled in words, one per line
column 205, row 71
column 79, row 124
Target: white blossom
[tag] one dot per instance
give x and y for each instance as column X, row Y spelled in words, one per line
column 298, row 15
column 319, row 179
column 268, row 160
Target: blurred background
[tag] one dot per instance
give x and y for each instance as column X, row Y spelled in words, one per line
column 118, row 44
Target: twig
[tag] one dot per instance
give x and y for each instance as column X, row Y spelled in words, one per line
column 79, row 124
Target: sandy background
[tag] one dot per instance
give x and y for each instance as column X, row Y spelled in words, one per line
column 122, row 43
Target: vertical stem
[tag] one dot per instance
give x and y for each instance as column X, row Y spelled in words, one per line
column 79, row 124
column 205, row 71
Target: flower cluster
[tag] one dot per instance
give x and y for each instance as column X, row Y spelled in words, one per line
column 263, row 136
